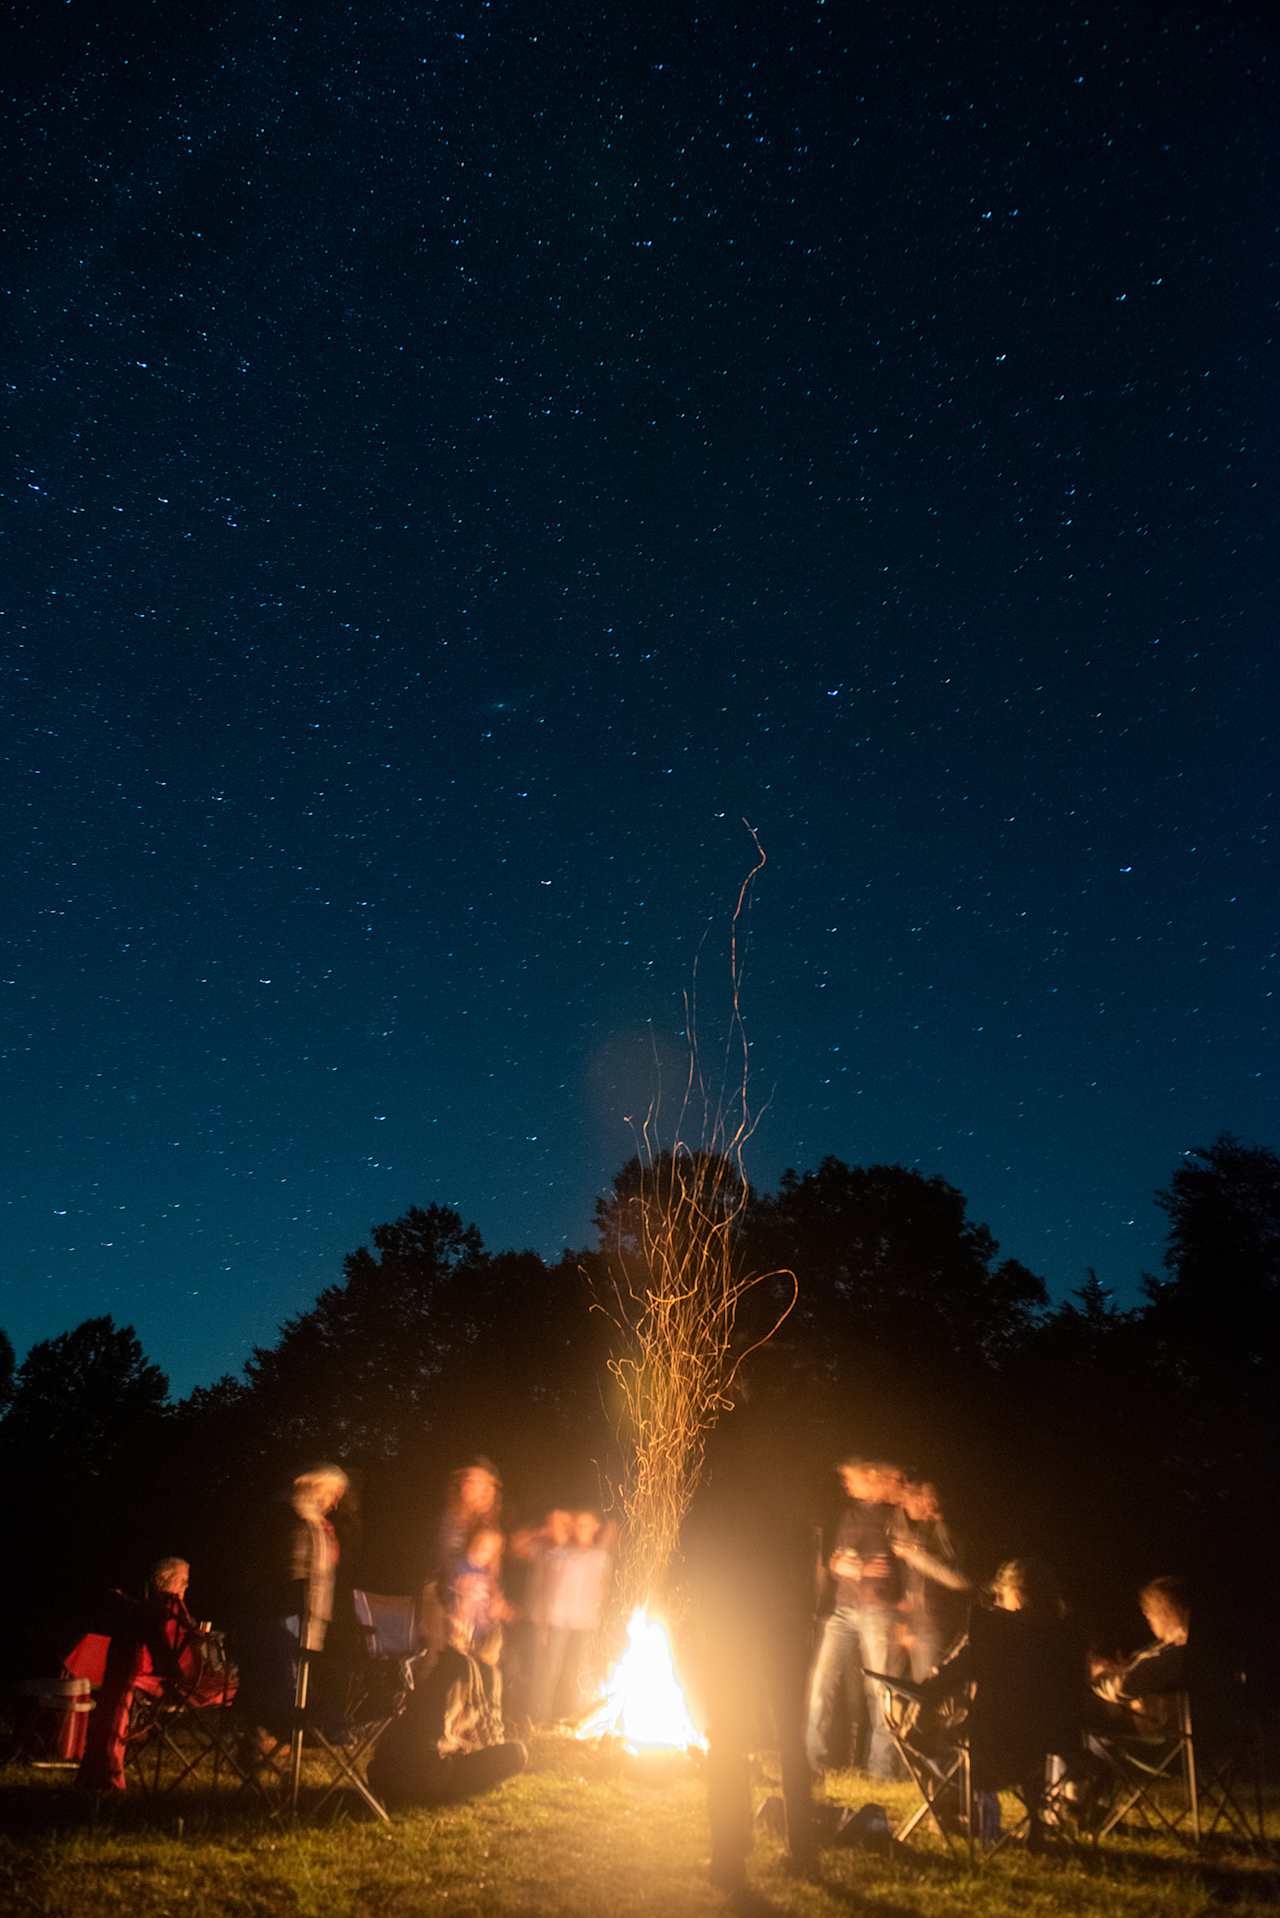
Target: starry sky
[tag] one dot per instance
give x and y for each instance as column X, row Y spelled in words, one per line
column 465, row 459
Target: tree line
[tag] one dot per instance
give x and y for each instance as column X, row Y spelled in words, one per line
column 1118, row 1441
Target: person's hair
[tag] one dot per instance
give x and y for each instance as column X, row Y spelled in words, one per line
column 316, row 1478
column 1035, row 1582
column 1169, row 1595
column 165, row 1570
column 458, row 1478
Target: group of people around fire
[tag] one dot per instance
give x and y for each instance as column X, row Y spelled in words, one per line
column 505, row 1630
column 908, row 1623
column 509, row 1624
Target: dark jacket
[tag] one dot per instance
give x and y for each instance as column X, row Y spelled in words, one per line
column 1025, row 1677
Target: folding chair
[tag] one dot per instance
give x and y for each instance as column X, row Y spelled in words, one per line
column 188, row 1722
column 387, row 1624
column 379, row 1697
column 1228, row 1763
column 191, row 1723
column 948, row 1781
column 1190, row 1788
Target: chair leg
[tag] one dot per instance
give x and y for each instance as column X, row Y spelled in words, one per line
column 1193, row 1783
column 350, row 1776
column 931, row 1785
column 297, row 1734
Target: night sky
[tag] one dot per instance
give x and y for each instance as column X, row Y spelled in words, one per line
column 467, row 458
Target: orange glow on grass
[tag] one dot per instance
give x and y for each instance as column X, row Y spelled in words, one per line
column 643, row 1704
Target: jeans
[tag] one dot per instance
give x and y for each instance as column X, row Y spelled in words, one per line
column 853, row 1636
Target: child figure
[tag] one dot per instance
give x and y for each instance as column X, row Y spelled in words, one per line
column 478, row 1607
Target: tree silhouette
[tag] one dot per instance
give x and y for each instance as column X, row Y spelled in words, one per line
column 7, row 1366
column 429, row 1340
column 1223, row 1251
column 80, row 1447
column 1212, row 1328
column 79, row 1395
column 887, row 1260
column 363, row 1367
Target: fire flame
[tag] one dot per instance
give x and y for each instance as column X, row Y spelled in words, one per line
column 643, row 1704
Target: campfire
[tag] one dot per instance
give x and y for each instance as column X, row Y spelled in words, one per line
column 643, row 1705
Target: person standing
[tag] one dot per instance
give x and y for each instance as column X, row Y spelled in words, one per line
column 749, row 1560
column 859, row 1630
column 473, row 1504
column 474, row 1500
column 932, row 1578
column 290, row 1605
column 577, row 1584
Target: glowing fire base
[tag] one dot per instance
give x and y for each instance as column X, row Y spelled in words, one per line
column 643, row 1706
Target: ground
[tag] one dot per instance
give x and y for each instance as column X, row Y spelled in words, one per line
column 574, row 1835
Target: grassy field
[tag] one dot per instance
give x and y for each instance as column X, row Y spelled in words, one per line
column 575, row 1834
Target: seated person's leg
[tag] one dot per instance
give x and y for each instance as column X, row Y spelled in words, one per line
column 466, row 1774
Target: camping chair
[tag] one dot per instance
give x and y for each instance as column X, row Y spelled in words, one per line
column 962, row 1814
column 381, row 1696
column 191, row 1723
column 388, row 1625
column 1229, row 1765
column 1210, row 1793
column 389, row 1633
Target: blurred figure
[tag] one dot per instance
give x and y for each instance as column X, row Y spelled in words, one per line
column 449, row 1742
column 290, row 1600
column 1143, row 1687
column 477, row 1607
column 932, row 1578
column 532, row 1548
column 749, row 1553
column 860, row 1629
column 575, row 1585
column 473, row 1502
column 474, row 1499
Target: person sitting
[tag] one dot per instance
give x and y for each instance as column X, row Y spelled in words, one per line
column 156, row 1647
column 448, row 1743
column 1019, row 1674
column 1144, row 1686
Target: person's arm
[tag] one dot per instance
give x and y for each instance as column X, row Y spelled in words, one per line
column 163, row 1637
column 942, row 1571
column 1154, row 1672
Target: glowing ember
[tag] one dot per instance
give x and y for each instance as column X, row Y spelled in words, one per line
column 643, row 1704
